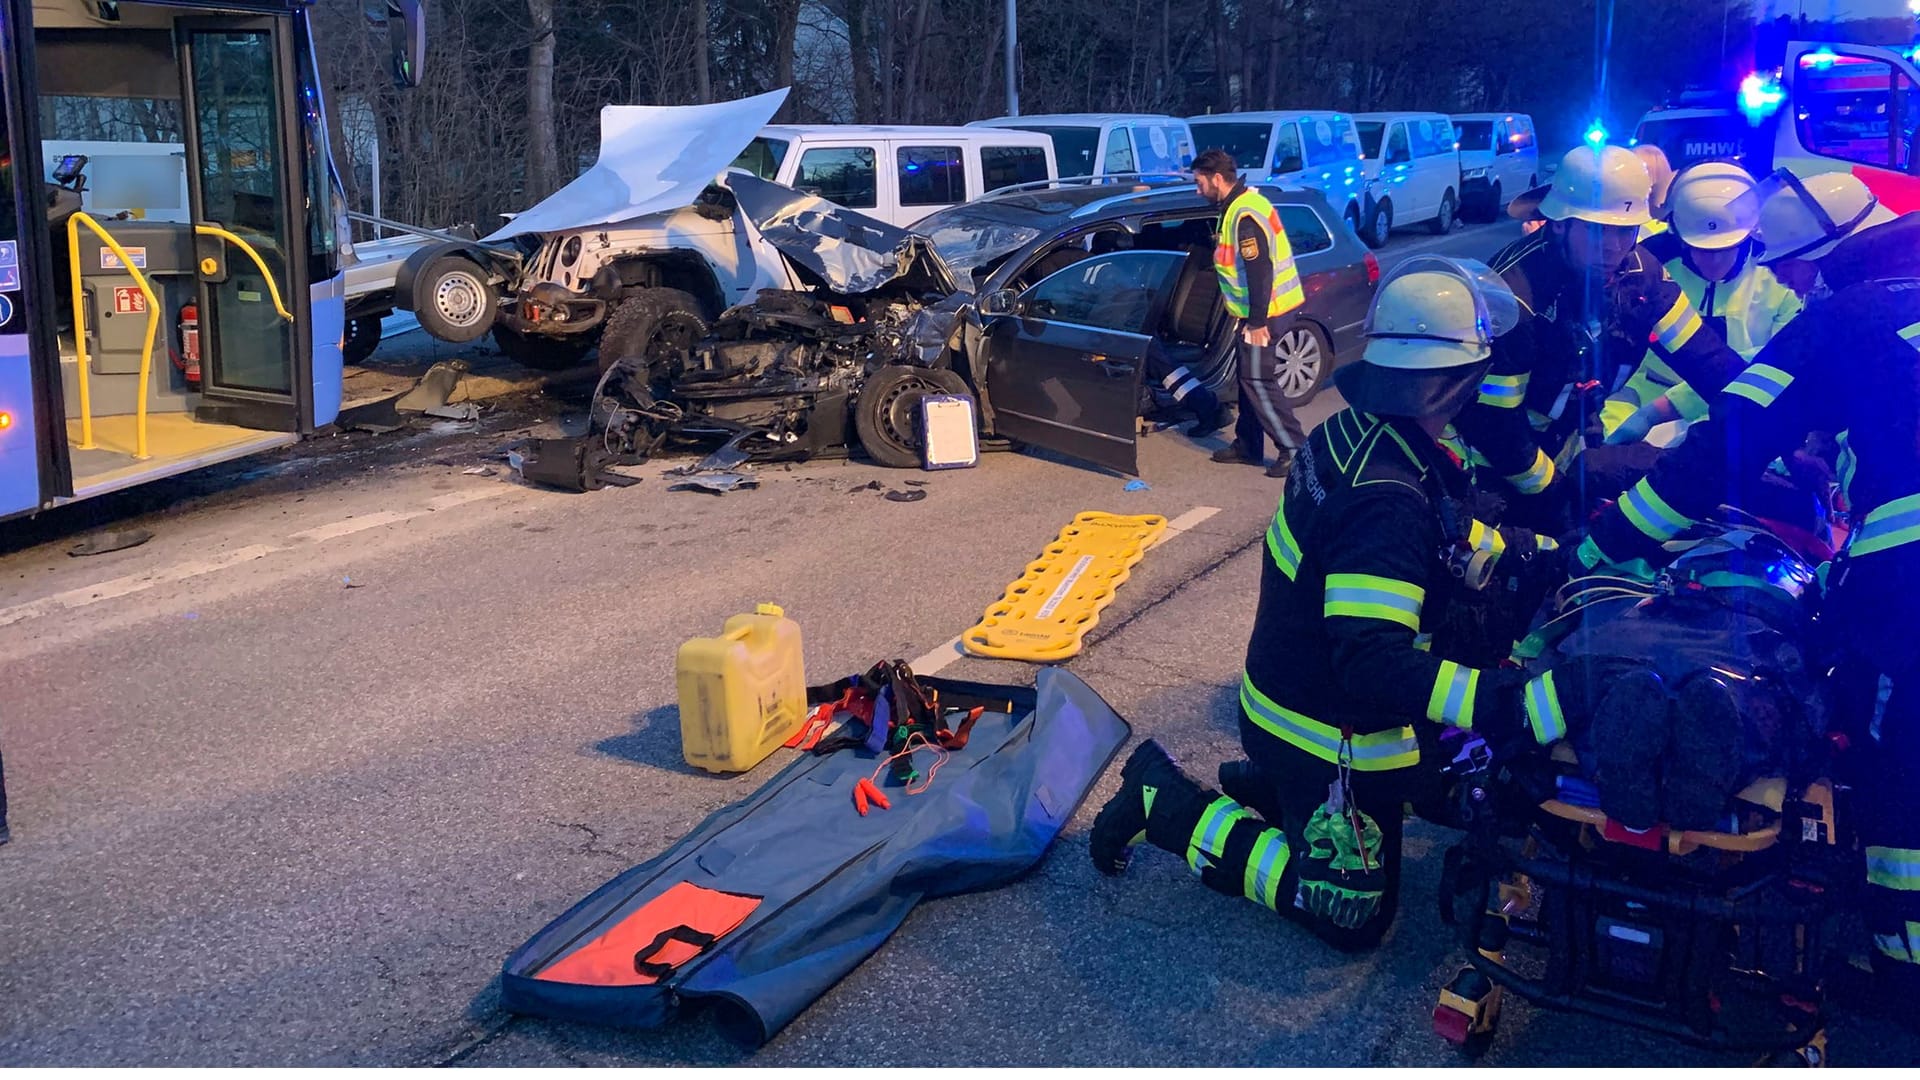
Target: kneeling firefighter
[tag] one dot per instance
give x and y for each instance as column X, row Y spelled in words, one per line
column 1348, row 672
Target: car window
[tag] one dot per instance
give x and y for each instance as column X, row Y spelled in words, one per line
column 1397, row 150
column 1370, row 132
column 1286, row 148
column 762, row 157
column 1118, row 291
column 1073, row 148
column 1246, row 142
column 1153, row 151
column 1328, row 140
column 1119, row 152
column 841, row 174
column 1306, row 233
column 1856, row 109
column 1520, row 133
column 1005, row 166
column 931, row 175
column 1479, row 134
column 1431, row 137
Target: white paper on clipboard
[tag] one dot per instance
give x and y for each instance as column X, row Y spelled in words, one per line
column 952, row 441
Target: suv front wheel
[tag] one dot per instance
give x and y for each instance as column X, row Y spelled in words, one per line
column 1381, row 226
column 656, row 327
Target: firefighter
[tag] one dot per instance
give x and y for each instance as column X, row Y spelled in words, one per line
column 1353, row 670
column 1711, row 252
column 1845, row 364
column 1542, row 395
column 1259, row 283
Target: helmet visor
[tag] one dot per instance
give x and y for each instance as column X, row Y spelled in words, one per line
column 1496, row 310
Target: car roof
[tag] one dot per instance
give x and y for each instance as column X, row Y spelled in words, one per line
column 1492, row 116
column 1399, row 115
column 892, row 131
column 1078, row 200
column 1268, row 116
column 1089, row 119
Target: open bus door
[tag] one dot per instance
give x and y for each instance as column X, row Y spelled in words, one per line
column 1852, row 108
column 174, row 228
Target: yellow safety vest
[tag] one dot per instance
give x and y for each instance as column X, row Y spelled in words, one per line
column 1754, row 306
column 1287, row 291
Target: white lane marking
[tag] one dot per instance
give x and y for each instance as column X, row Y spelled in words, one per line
column 134, row 583
column 349, row 526
column 952, row 650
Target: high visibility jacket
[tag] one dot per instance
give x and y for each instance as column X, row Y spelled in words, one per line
column 1351, row 591
column 1230, row 262
column 1746, row 310
column 1845, row 364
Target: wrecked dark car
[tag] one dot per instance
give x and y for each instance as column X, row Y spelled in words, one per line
column 1046, row 305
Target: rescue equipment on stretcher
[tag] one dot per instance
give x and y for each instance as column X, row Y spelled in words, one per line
column 1046, row 613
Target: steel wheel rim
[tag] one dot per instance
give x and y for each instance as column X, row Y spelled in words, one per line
column 458, row 299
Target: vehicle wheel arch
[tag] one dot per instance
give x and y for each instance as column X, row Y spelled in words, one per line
column 685, row 271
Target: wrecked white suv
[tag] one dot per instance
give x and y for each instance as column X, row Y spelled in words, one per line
column 638, row 254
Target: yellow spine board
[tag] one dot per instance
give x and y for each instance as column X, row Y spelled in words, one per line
column 1044, row 615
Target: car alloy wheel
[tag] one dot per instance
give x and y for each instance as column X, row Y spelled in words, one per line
column 1298, row 359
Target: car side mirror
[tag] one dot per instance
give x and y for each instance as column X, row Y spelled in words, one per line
column 1000, row 302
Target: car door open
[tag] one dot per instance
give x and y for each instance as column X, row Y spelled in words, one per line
column 1065, row 358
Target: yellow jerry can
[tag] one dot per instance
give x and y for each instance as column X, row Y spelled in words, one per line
column 743, row 693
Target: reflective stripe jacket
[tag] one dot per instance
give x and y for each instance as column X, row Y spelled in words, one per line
column 1746, row 310
column 1564, row 336
column 1850, row 362
column 1252, row 238
column 1352, row 587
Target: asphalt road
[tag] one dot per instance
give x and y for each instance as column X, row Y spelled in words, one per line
column 291, row 780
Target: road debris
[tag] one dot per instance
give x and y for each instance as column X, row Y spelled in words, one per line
column 434, row 388
column 716, row 483
column 1137, row 485
column 477, row 470
column 466, row 410
column 906, row 496
column 111, row 540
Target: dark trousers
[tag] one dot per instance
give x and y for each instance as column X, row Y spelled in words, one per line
column 1265, row 412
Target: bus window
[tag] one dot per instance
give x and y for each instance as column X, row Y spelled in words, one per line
column 1857, row 110
column 131, row 128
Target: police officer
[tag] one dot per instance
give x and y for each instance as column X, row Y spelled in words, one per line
column 1259, row 283
column 1710, row 251
column 1848, row 363
column 1535, row 411
column 1352, row 671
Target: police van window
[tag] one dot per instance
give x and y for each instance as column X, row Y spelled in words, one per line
column 1857, row 110
column 1397, row 150
column 1005, row 166
column 1306, row 233
column 1286, row 148
column 841, row 174
column 1479, row 135
column 931, row 176
column 762, row 157
column 1246, row 142
column 1370, row 132
column 1119, row 152
column 1154, row 151
column 1326, row 141
column 1116, row 291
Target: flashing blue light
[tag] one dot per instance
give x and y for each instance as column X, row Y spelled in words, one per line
column 1596, row 134
column 1822, row 58
column 1760, row 97
column 1633, row 142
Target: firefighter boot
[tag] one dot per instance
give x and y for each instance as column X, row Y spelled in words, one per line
column 1157, row 804
column 1629, row 735
column 1703, row 771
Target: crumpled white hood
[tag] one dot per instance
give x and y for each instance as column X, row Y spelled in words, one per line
column 652, row 158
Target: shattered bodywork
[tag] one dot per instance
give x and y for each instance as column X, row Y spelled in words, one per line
column 788, row 367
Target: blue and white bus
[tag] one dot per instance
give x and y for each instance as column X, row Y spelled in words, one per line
column 171, row 290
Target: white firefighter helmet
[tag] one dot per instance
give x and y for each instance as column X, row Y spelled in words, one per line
column 1707, row 205
column 1607, row 185
column 1805, row 218
column 1430, row 328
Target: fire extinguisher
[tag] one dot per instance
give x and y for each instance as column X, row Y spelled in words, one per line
column 190, row 342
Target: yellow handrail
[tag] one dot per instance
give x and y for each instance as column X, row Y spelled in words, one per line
column 80, row 332
column 272, row 288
